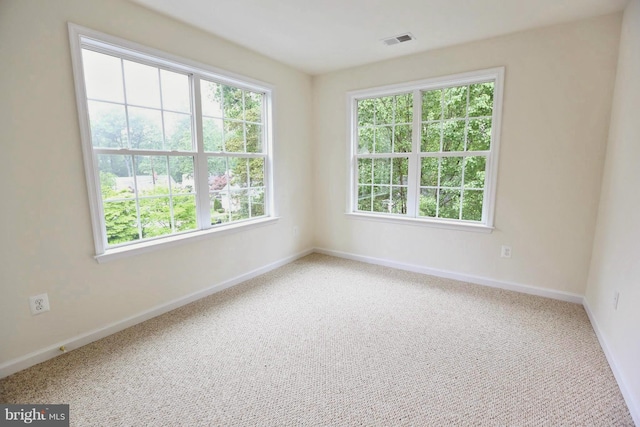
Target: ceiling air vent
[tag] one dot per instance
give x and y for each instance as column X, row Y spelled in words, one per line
column 398, row 39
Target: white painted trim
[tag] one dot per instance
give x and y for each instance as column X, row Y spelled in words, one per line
column 44, row 354
column 478, row 280
column 425, row 222
column 634, row 407
column 176, row 239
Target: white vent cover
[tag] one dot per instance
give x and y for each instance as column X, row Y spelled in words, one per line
column 390, row 41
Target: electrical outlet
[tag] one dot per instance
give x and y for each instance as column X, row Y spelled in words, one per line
column 616, row 297
column 295, row 231
column 505, row 252
column 39, row 304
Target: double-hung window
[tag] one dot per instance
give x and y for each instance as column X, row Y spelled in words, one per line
column 171, row 149
column 427, row 151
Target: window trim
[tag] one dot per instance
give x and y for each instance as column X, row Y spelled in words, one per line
column 80, row 36
column 494, row 74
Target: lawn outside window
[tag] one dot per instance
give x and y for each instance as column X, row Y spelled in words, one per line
column 427, row 152
column 173, row 149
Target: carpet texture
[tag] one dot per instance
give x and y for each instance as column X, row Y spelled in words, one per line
column 330, row 342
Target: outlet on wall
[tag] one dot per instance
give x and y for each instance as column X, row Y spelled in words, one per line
column 616, row 297
column 505, row 252
column 39, row 304
column 295, row 231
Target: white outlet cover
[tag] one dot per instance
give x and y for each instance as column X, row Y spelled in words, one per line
column 39, row 303
column 505, row 252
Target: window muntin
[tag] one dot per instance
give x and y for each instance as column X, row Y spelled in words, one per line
column 173, row 148
column 428, row 153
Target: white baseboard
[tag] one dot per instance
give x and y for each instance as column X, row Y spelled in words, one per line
column 517, row 287
column 634, row 407
column 39, row 356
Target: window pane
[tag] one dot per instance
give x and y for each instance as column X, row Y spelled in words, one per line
column 364, row 198
column 116, row 176
column 239, row 205
column 381, row 198
column 455, row 102
column 256, row 196
column 365, row 140
column 184, row 213
column 364, row 171
column 155, row 216
column 145, row 128
column 474, row 171
column 108, row 125
column 472, row 205
column 450, row 171
column 219, row 207
column 121, row 220
column 177, row 131
column 399, row 200
column 253, row 106
column 453, row 135
column 429, row 175
column 381, row 171
column 175, row 91
column 402, row 139
column 449, row 204
column 233, row 137
column 182, row 174
column 481, row 99
column 383, row 138
column 212, row 130
column 400, row 171
column 152, row 175
column 103, row 76
column 142, row 84
column 238, row 172
column 431, row 137
column 432, row 105
column 211, row 99
column 384, row 110
column 404, row 108
column 218, row 176
column 254, row 138
column 428, row 202
column 366, row 108
column 256, row 168
column 232, row 103
column 479, row 135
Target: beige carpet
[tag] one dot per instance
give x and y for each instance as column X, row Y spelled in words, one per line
column 331, row 342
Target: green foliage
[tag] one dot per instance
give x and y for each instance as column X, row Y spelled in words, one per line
column 154, row 207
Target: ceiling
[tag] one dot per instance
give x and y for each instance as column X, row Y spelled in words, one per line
column 326, row 35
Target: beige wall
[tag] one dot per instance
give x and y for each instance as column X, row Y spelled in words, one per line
column 558, row 88
column 47, row 244
column 615, row 262
column 557, row 98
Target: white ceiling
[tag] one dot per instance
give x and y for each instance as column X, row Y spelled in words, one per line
column 326, row 35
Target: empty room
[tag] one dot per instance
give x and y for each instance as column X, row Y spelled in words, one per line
column 328, row 213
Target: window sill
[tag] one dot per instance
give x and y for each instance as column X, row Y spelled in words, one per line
column 164, row 242
column 479, row 228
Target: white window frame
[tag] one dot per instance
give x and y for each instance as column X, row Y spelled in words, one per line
column 80, row 37
column 487, row 223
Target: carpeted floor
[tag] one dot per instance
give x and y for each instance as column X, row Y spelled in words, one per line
column 330, row 342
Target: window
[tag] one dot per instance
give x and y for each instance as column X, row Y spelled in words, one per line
column 427, row 151
column 170, row 148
